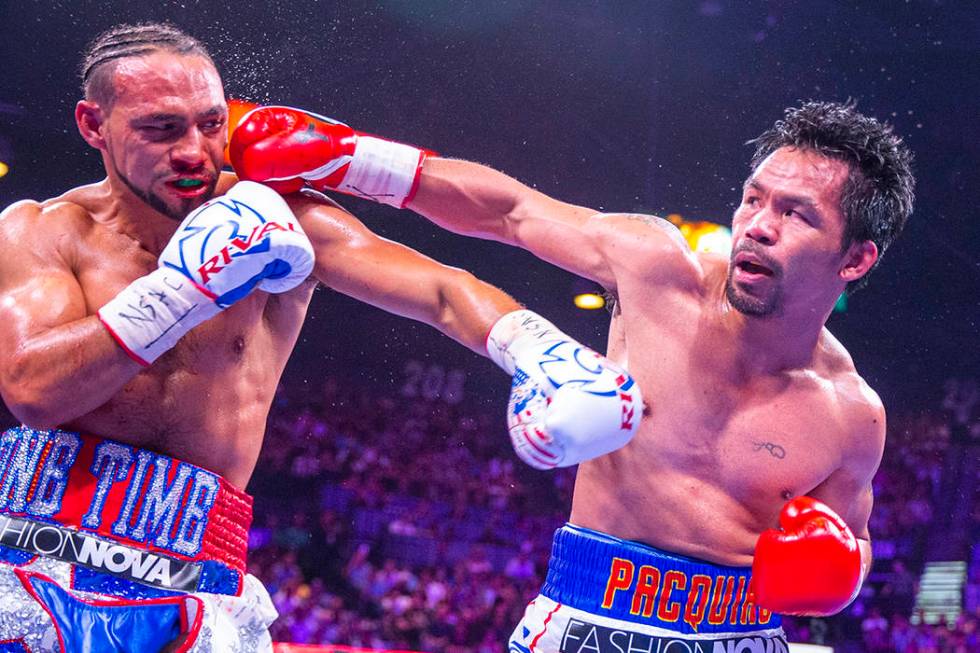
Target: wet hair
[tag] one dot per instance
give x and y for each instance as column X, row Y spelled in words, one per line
column 121, row 41
column 878, row 194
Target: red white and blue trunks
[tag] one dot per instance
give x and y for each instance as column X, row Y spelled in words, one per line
column 109, row 547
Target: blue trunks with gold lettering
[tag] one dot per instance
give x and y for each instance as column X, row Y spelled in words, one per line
column 603, row 594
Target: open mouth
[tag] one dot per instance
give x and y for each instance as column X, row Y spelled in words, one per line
column 754, row 268
column 188, row 186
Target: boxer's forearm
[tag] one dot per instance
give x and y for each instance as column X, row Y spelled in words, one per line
column 468, row 308
column 353, row 260
column 448, row 299
column 472, row 199
column 867, row 559
column 64, row 373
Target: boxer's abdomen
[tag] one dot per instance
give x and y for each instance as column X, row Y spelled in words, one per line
column 206, row 400
column 720, row 451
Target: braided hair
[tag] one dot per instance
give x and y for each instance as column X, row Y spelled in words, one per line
column 121, row 41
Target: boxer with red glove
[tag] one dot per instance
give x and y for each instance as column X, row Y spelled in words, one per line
column 287, row 149
column 812, row 565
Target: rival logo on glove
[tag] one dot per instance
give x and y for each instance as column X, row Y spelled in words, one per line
column 256, row 242
column 625, row 383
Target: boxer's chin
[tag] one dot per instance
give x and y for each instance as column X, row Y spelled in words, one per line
column 759, row 304
column 175, row 208
column 179, row 207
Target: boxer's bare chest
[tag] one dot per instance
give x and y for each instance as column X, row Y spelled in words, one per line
column 207, row 399
column 719, row 452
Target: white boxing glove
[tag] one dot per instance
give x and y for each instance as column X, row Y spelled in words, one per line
column 568, row 404
column 245, row 239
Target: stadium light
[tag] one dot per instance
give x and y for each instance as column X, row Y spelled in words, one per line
column 589, row 301
column 704, row 236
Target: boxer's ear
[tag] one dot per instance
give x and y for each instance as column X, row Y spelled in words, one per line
column 90, row 120
column 860, row 257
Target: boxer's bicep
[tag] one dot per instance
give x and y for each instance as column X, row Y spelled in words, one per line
column 38, row 290
column 357, row 262
column 848, row 489
column 572, row 237
column 852, row 499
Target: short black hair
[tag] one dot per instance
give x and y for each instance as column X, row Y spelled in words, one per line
column 879, row 192
column 98, row 61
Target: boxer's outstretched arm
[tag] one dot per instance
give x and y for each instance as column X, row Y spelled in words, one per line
column 472, row 199
column 357, row 262
column 57, row 362
column 564, row 425
column 475, row 200
column 288, row 148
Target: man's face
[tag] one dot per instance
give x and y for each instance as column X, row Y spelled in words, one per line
column 165, row 133
column 787, row 233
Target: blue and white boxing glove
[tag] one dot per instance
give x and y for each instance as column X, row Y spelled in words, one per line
column 232, row 244
column 568, row 404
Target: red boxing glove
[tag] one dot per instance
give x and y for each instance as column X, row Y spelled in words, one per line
column 236, row 111
column 811, row 566
column 288, row 148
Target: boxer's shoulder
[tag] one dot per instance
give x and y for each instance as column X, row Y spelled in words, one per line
column 44, row 227
column 858, row 405
column 649, row 246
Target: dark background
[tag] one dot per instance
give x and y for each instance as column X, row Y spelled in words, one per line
column 627, row 106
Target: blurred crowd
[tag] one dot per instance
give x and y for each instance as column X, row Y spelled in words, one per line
column 392, row 522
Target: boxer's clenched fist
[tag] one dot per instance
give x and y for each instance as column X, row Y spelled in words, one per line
column 568, row 403
column 246, row 239
column 811, row 565
column 287, row 148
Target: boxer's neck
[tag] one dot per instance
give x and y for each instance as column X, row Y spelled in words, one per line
column 132, row 216
column 765, row 345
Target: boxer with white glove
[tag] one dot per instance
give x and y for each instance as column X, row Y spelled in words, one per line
column 755, row 398
column 232, row 244
column 568, row 404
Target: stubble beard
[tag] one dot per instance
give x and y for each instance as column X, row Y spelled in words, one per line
column 765, row 306
column 158, row 204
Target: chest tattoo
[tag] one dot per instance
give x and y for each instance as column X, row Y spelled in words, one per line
column 774, row 449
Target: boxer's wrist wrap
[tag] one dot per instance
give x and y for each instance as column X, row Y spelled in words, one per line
column 383, row 171
column 151, row 314
column 515, row 331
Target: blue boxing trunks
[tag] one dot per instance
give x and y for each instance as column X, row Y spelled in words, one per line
column 607, row 595
column 109, row 547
